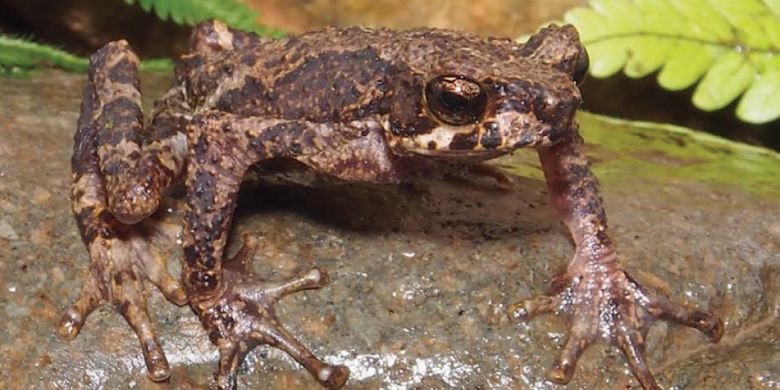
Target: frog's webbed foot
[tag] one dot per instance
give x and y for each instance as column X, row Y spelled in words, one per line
column 123, row 262
column 602, row 301
column 243, row 317
column 597, row 296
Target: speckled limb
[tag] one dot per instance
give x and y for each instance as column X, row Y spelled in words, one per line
column 137, row 166
column 598, row 296
column 235, row 308
column 123, row 258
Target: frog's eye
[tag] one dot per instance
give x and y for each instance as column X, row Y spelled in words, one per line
column 582, row 67
column 455, row 100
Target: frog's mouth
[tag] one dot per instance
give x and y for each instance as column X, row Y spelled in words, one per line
column 484, row 140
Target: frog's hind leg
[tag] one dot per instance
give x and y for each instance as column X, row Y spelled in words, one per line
column 595, row 293
column 235, row 307
column 106, row 152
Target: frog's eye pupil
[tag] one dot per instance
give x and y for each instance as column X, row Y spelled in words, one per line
column 455, row 99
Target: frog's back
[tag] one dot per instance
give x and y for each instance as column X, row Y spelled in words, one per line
column 332, row 75
column 422, row 50
column 413, row 48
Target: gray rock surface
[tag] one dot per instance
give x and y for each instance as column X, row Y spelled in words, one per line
column 421, row 277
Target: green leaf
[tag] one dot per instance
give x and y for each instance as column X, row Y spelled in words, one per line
column 646, row 55
column 774, row 5
column 687, row 66
column 771, row 26
column 657, row 19
column 190, row 12
column 607, row 58
column 761, row 102
column 725, row 81
column 146, row 5
column 590, row 23
column 621, row 14
column 647, row 151
column 741, row 15
column 703, row 21
column 19, row 55
column 728, row 46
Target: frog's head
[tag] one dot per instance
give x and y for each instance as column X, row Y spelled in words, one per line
column 481, row 98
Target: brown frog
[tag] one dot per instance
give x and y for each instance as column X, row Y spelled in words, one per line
column 351, row 104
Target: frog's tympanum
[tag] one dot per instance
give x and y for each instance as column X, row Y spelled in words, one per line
column 351, row 104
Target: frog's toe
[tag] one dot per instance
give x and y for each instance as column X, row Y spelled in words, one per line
column 612, row 306
column 273, row 291
column 88, row 300
column 272, row 333
column 231, row 354
column 503, row 180
column 582, row 334
column 663, row 308
column 130, row 302
column 239, row 262
column 540, row 304
column 171, row 288
column 631, row 342
column 244, row 318
column 153, row 265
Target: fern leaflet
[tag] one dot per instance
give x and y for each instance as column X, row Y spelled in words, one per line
column 731, row 48
column 18, row 55
column 190, row 12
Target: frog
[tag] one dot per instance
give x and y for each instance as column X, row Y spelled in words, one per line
column 353, row 105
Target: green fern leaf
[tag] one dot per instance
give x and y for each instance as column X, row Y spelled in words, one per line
column 731, row 48
column 146, row 5
column 18, row 55
column 774, row 5
column 191, row 12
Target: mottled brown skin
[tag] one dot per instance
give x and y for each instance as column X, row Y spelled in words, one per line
column 354, row 104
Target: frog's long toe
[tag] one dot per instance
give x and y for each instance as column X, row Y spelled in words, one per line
column 610, row 305
column 122, row 262
column 244, row 317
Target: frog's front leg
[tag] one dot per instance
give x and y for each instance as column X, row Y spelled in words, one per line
column 118, row 176
column 600, row 299
column 236, row 308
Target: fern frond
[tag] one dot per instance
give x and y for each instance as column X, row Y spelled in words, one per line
column 190, row 12
column 731, row 48
column 18, row 55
